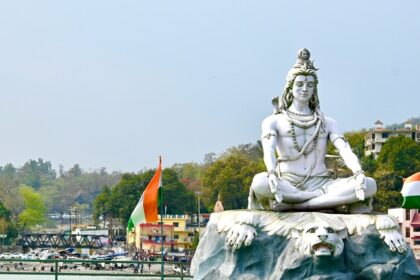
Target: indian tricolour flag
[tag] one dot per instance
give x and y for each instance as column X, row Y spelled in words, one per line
column 411, row 192
column 146, row 210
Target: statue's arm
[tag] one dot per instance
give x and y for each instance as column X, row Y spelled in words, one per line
column 349, row 158
column 269, row 141
column 343, row 147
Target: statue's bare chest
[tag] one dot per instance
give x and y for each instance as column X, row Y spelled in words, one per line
column 292, row 137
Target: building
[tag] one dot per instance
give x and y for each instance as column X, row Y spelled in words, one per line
column 378, row 136
column 183, row 232
column 178, row 234
column 149, row 237
column 409, row 221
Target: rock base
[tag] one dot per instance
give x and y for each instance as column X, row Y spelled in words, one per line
column 275, row 254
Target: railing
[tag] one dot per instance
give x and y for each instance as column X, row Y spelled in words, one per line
column 60, row 267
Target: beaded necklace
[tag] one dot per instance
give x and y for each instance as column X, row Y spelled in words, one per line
column 316, row 121
column 301, row 115
column 302, row 121
column 296, row 145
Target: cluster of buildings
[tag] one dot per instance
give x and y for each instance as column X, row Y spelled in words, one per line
column 377, row 137
column 179, row 232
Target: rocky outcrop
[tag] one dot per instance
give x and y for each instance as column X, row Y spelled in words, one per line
column 302, row 246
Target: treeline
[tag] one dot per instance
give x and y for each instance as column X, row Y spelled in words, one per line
column 30, row 192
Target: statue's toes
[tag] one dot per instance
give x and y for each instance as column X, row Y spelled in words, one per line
column 237, row 245
column 241, row 237
column 401, row 249
column 249, row 239
column 392, row 247
column 233, row 241
column 231, row 238
column 229, row 234
column 279, row 206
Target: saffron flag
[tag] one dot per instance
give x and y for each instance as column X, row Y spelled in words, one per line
column 411, row 192
column 146, row 210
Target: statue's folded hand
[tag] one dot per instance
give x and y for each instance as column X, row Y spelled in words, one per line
column 360, row 186
column 240, row 234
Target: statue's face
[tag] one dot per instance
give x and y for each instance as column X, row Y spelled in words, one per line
column 303, row 88
column 304, row 54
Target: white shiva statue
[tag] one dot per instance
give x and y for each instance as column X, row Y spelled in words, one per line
column 294, row 141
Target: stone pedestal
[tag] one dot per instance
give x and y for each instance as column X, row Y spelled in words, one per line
column 288, row 246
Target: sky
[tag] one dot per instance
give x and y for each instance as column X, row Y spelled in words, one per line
column 115, row 84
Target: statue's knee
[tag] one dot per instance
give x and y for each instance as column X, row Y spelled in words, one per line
column 260, row 183
column 259, row 179
column 370, row 186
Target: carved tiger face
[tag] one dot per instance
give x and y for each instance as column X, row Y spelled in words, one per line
column 319, row 239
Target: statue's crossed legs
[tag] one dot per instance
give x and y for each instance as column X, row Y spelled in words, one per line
column 318, row 192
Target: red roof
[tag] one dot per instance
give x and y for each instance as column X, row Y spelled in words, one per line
column 416, row 220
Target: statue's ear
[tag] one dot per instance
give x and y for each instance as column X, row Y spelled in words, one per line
column 295, row 233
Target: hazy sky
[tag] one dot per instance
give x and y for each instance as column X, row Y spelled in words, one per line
column 115, row 84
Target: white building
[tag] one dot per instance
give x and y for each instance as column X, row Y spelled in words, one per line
column 409, row 221
column 376, row 137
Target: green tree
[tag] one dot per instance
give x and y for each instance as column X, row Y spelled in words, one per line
column 5, row 219
column 119, row 202
column 387, row 196
column 34, row 172
column 127, row 193
column 6, row 224
column 400, row 155
column 356, row 141
column 10, row 197
column 8, row 170
column 67, row 190
column 369, row 164
column 34, row 208
column 75, row 171
column 101, row 204
column 231, row 176
column 176, row 198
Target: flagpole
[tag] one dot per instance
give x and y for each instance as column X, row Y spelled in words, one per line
column 161, row 227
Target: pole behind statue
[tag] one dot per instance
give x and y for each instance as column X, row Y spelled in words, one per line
column 162, row 269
